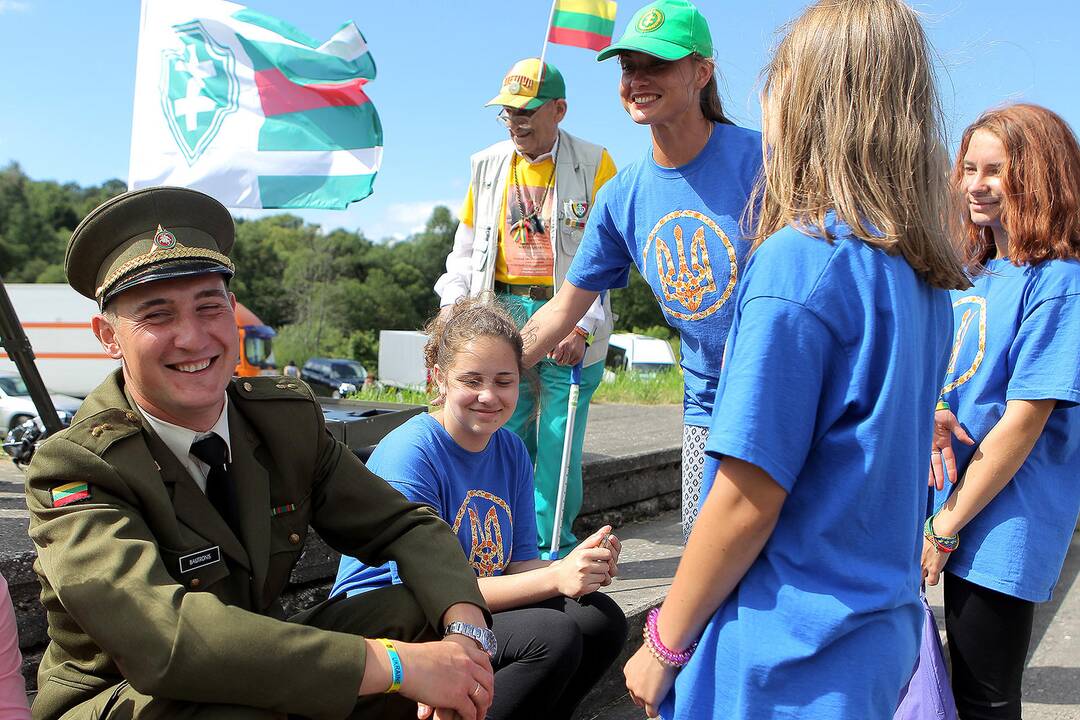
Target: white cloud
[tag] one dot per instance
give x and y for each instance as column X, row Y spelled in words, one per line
column 13, row 6
column 402, row 219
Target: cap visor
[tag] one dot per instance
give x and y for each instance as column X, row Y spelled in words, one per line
column 516, row 101
column 167, row 271
column 650, row 46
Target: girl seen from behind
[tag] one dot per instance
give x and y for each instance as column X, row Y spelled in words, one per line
column 1011, row 395
column 798, row 593
column 556, row 635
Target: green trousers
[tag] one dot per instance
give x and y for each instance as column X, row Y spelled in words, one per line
column 543, row 433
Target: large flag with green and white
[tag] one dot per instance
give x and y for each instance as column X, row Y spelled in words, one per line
column 250, row 110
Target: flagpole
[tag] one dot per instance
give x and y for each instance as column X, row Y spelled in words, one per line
column 543, row 50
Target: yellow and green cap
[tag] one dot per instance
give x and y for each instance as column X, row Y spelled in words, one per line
column 155, row 233
column 521, row 88
column 667, row 29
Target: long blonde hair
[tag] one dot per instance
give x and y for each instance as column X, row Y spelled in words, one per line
column 854, row 126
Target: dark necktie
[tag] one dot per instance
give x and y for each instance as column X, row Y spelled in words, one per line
column 213, row 451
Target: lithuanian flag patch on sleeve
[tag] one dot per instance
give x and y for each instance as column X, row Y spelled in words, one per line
column 70, row 493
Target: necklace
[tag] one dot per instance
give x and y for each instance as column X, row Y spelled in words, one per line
column 530, row 220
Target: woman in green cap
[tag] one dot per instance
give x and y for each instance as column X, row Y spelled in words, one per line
column 798, row 594
column 674, row 214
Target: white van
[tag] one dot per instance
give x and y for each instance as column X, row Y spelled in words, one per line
column 639, row 353
column 401, row 359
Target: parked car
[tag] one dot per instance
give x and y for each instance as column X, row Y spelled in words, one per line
column 639, row 353
column 16, row 407
column 334, row 377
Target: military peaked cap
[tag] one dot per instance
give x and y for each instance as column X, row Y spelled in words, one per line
column 155, row 233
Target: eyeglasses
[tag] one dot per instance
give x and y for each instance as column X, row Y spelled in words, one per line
column 515, row 116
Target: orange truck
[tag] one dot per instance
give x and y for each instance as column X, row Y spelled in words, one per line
column 56, row 319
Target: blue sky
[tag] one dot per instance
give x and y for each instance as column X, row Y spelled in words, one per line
column 67, row 72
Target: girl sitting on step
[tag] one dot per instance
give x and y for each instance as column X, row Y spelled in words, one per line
column 556, row 635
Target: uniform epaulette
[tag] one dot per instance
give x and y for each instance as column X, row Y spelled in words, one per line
column 271, row 387
column 97, row 432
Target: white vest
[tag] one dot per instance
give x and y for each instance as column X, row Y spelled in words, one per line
column 576, row 162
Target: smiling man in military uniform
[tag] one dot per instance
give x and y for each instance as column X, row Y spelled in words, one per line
column 168, row 516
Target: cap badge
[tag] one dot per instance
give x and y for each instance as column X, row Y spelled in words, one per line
column 650, row 21
column 513, row 87
column 163, row 240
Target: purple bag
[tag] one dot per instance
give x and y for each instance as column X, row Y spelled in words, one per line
column 928, row 694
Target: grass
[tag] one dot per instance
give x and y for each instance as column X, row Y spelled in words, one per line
column 393, row 395
column 663, row 388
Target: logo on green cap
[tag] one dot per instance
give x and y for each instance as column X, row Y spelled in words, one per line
column 650, row 21
column 199, row 88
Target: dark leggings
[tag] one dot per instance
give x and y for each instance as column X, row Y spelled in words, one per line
column 551, row 653
column 989, row 633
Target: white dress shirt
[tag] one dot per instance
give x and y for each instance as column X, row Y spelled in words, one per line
column 179, row 440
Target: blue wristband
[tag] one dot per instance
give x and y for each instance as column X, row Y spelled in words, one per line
column 397, row 672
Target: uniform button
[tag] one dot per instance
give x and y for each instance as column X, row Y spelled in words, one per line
column 195, row 582
column 132, row 417
column 294, row 539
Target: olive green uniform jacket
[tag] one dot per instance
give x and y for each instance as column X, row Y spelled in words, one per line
column 128, row 578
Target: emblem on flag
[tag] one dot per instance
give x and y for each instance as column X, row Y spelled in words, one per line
column 198, row 89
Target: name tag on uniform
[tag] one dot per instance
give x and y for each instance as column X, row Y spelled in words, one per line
column 200, row 558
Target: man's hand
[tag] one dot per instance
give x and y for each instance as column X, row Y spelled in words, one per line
column 450, row 678
column 942, row 459
column 570, row 350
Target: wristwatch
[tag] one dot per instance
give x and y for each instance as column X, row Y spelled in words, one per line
column 481, row 635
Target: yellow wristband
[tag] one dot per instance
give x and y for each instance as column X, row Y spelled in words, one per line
column 397, row 672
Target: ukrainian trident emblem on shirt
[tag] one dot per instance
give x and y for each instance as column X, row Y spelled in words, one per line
column 679, row 245
column 488, row 550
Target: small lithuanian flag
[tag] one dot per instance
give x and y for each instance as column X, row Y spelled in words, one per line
column 583, row 23
column 69, row 493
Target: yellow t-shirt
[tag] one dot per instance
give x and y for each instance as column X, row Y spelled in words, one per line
column 526, row 259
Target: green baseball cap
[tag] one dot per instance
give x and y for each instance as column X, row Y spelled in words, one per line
column 525, row 87
column 667, row 29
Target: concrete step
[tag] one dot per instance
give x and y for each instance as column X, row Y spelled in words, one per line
column 650, row 554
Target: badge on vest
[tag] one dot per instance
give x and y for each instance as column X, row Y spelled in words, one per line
column 200, row 558
column 574, row 213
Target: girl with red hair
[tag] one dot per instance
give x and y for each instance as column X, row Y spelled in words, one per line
column 1011, row 395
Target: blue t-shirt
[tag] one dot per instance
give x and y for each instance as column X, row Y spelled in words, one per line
column 486, row 497
column 680, row 226
column 1018, row 338
column 832, row 371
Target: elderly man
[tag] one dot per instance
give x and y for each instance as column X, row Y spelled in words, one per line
column 522, row 220
column 168, row 517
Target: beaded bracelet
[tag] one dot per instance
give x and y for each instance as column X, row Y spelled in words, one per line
column 941, row 405
column 397, row 672
column 666, row 656
column 944, row 543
